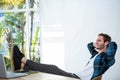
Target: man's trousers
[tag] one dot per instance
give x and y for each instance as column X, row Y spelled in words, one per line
column 30, row 65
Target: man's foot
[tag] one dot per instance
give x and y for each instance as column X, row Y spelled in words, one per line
column 17, row 56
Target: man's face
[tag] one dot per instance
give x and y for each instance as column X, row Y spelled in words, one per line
column 99, row 44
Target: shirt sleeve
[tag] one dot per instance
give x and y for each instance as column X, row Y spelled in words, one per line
column 91, row 49
column 111, row 50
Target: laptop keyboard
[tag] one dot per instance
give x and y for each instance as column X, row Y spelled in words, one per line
column 13, row 74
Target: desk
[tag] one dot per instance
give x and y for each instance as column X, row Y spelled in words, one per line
column 42, row 76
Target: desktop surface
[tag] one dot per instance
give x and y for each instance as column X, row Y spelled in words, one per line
column 42, row 76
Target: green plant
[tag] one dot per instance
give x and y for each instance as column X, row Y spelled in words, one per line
column 1, row 33
column 12, row 31
column 15, row 22
column 35, row 55
column 7, row 62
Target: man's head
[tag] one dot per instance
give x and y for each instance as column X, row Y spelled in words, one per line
column 102, row 41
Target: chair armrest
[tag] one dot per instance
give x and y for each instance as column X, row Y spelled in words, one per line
column 98, row 78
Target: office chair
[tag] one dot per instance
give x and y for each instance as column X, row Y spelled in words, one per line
column 98, row 78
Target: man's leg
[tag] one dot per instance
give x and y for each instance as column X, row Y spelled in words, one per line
column 30, row 65
column 21, row 63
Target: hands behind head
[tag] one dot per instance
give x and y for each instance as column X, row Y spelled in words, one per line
column 94, row 44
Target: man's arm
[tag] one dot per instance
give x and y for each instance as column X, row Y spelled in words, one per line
column 91, row 49
column 111, row 50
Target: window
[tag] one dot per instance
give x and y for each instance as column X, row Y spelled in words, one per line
column 20, row 25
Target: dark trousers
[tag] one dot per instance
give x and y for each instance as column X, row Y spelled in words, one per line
column 30, row 65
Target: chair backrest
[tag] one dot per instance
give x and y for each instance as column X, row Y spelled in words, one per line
column 98, row 78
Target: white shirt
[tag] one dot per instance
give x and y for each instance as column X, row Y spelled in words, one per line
column 87, row 71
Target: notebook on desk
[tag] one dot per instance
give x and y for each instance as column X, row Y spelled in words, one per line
column 8, row 74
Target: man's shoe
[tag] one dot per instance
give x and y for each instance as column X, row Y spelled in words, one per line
column 17, row 53
column 16, row 63
column 17, row 56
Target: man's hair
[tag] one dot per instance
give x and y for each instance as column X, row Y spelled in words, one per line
column 106, row 37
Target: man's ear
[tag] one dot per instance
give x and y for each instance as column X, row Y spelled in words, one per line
column 106, row 43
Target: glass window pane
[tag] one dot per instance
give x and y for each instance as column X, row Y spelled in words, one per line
column 35, row 37
column 17, row 30
column 12, row 4
column 34, row 3
column 11, row 32
column 13, row 27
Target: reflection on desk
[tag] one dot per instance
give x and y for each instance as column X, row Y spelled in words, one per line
column 42, row 76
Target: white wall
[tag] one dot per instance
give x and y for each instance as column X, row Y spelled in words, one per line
column 81, row 21
column 52, row 33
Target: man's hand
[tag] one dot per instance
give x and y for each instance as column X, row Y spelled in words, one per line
column 94, row 44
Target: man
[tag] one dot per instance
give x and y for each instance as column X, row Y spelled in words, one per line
column 103, row 57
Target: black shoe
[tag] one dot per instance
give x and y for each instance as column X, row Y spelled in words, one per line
column 16, row 63
column 17, row 56
column 17, row 53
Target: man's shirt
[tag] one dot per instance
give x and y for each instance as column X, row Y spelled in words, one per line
column 98, row 63
column 104, row 60
column 87, row 71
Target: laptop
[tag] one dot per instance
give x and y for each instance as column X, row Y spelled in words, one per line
column 7, row 74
